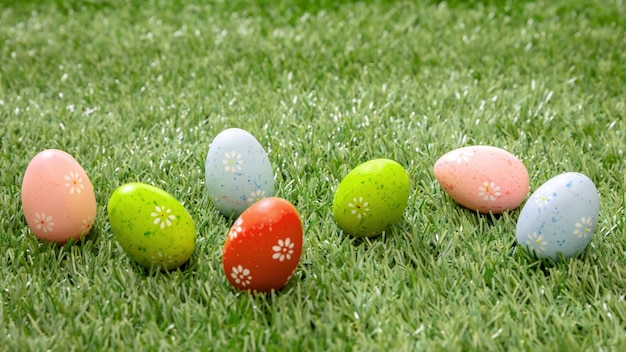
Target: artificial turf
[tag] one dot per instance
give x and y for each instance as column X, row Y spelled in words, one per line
column 136, row 91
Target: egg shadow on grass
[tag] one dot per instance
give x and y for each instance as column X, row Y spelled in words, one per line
column 491, row 218
column 155, row 270
column 545, row 265
column 92, row 236
column 367, row 242
column 227, row 220
column 361, row 241
column 266, row 297
column 47, row 245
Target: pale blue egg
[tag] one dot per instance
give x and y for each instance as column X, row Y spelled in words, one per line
column 559, row 217
column 238, row 172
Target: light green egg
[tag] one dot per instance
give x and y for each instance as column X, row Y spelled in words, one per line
column 152, row 227
column 371, row 197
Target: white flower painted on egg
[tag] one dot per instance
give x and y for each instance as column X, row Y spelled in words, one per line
column 462, row 156
column 44, row 222
column 256, row 196
column 544, row 199
column 161, row 259
column 536, row 242
column 283, row 250
column 232, row 162
column 236, row 229
column 489, row 191
column 359, row 207
column 162, row 216
column 74, row 182
column 584, row 227
column 86, row 227
column 241, row 275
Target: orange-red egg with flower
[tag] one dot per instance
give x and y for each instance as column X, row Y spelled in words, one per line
column 263, row 246
column 57, row 197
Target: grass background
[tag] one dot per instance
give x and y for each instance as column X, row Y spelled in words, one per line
column 136, row 91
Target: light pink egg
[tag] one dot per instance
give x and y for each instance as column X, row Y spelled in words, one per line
column 483, row 178
column 57, row 197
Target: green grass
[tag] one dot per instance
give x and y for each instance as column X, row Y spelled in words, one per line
column 136, row 91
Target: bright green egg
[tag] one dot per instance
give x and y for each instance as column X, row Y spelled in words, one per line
column 371, row 197
column 152, row 227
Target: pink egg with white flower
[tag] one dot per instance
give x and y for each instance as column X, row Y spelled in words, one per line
column 57, row 197
column 483, row 178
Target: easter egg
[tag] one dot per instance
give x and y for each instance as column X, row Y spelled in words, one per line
column 483, row 178
column 559, row 217
column 371, row 197
column 57, row 197
column 152, row 227
column 263, row 247
column 238, row 172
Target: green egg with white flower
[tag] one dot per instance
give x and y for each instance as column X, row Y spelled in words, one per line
column 152, row 227
column 371, row 197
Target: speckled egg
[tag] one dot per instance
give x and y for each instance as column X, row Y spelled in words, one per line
column 483, row 178
column 371, row 197
column 238, row 172
column 57, row 197
column 263, row 247
column 559, row 217
column 152, row 227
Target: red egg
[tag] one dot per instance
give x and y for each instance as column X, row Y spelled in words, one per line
column 263, row 247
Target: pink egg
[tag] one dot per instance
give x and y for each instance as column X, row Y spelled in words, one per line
column 483, row 178
column 57, row 197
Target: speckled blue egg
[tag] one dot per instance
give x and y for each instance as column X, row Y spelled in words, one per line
column 559, row 217
column 238, row 172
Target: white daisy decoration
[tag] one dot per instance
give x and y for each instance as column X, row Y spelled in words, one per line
column 232, row 161
column 489, row 191
column 283, row 250
column 44, row 222
column 162, row 216
column 358, row 207
column 241, row 275
column 584, row 227
column 74, row 182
